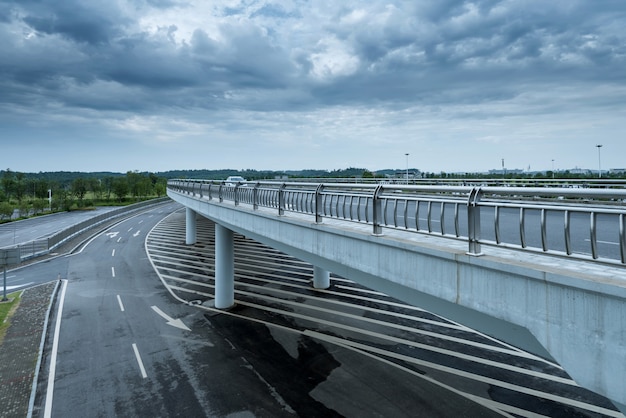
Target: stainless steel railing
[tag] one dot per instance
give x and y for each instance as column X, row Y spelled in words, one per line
column 581, row 223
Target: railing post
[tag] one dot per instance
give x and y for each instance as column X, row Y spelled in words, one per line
column 377, row 210
column 255, row 196
column 473, row 221
column 220, row 192
column 318, row 204
column 237, row 193
column 281, row 199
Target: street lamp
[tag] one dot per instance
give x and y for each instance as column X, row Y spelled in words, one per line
column 407, row 167
column 553, row 168
column 599, row 161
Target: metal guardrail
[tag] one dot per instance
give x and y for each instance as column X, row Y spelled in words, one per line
column 583, row 223
column 43, row 246
column 587, row 183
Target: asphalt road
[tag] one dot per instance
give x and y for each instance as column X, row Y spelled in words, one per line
column 19, row 232
column 376, row 356
column 117, row 355
column 126, row 347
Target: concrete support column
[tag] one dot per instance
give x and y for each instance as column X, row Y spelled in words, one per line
column 224, row 268
column 190, row 223
column 321, row 278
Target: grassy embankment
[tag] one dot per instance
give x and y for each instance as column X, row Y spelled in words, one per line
column 6, row 311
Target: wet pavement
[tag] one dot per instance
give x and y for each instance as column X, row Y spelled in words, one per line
column 352, row 351
column 20, row 349
column 289, row 350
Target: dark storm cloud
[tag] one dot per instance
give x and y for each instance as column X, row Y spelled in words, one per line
column 243, row 58
column 405, row 52
column 313, row 83
column 445, row 45
column 79, row 21
column 78, row 43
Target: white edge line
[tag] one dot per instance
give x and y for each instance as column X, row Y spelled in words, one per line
column 53, row 356
column 138, row 357
column 33, row 393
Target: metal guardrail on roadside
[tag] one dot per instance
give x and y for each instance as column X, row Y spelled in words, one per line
column 583, row 223
column 45, row 245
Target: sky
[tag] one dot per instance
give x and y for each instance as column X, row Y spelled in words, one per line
column 459, row 86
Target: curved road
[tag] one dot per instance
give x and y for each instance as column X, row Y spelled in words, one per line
column 126, row 347
column 19, row 232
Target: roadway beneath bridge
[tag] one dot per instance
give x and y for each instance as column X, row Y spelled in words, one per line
column 575, row 310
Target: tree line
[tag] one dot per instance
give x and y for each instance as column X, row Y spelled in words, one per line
column 28, row 194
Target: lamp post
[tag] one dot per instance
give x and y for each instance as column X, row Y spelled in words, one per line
column 553, row 168
column 407, row 167
column 599, row 161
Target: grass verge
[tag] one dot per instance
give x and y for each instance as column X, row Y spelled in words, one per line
column 7, row 309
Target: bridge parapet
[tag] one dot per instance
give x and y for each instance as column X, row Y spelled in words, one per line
column 574, row 308
column 587, row 224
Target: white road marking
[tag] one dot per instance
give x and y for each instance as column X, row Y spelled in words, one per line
column 130, row 229
column 136, row 234
column 53, row 356
column 603, row 242
column 141, row 368
column 409, row 343
column 504, row 348
column 119, row 239
column 18, row 286
column 178, row 323
column 457, row 372
column 113, row 271
column 119, row 300
column 113, row 253
column 376, row 352
column 112, row 234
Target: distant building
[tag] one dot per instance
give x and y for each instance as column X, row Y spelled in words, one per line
column 412, row 174
column 501, row 172
column 577, row 170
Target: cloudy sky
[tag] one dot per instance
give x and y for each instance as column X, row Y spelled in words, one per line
column 118, row 85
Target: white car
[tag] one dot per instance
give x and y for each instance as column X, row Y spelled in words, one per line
column 233, row 180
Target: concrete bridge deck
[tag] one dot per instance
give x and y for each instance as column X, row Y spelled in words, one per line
column 573, row 311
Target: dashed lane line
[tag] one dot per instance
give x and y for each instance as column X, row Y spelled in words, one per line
column 139, row 361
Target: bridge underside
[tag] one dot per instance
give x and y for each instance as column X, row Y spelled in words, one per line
column 577, row 318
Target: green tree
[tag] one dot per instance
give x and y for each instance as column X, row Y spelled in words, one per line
column 8, row 183
column 133, row 180
column 160, row 188
column 79, row 189
column 107, row 186
column 19, row 188
column 120, row 188
column 6, row 210
column 39, row 205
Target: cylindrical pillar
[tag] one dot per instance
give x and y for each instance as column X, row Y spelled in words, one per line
column 321, row 278
column 224, row 268
column 190, row 222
